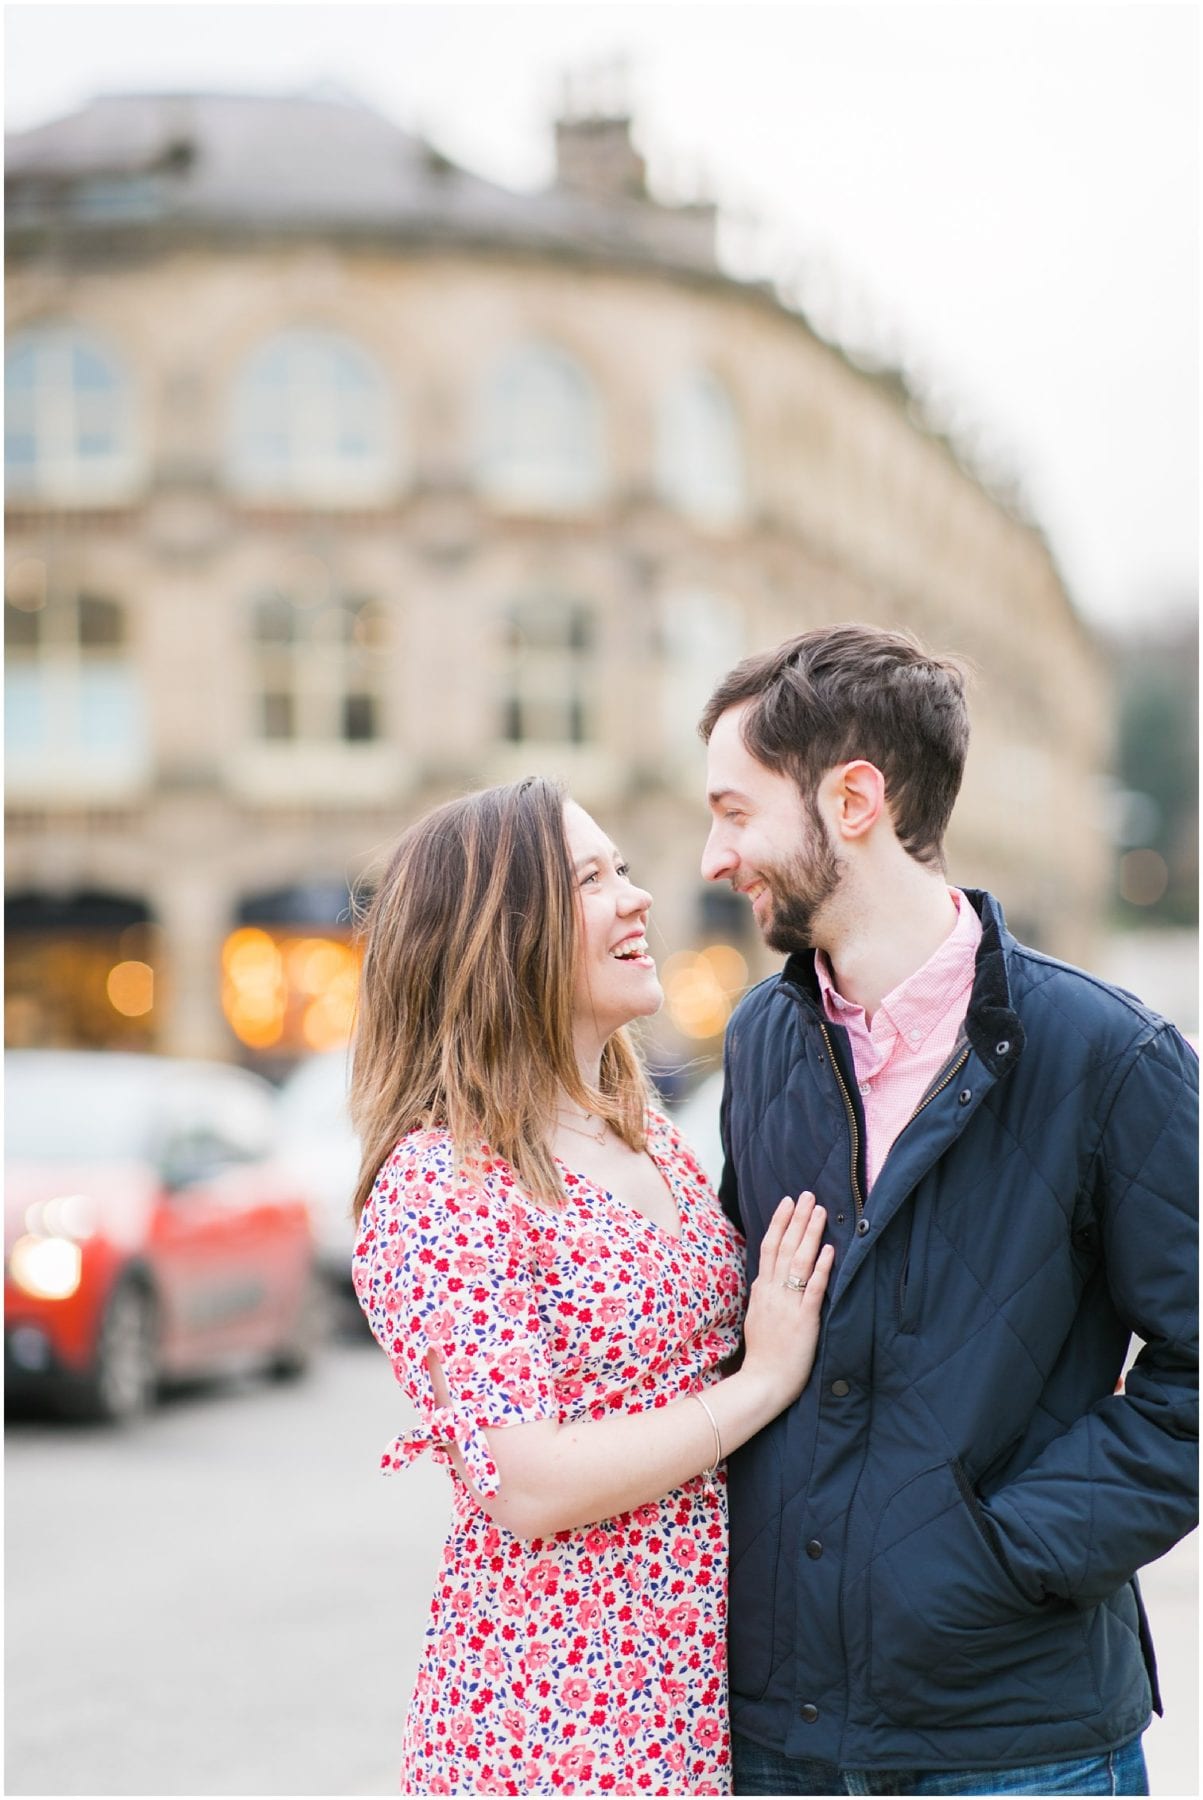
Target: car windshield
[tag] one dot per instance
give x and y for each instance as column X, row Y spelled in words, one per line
column 69, row 1110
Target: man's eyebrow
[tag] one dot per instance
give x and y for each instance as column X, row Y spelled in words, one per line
column 717, row 795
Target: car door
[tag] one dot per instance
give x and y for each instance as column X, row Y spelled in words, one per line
column 225, row 1250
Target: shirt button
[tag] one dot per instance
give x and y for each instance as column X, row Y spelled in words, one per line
column 814, row 1549
column 865, row 1088
column 914, row 1037
column 809, row 1712
column 862, row 1228
column 840, row 1388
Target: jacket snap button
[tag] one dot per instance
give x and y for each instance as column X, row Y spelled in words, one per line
column 840, row 1388
column 1002, row 1048
column 862, row 1228
column 809, row 1712
column 965, row 1096
column 814, row 1549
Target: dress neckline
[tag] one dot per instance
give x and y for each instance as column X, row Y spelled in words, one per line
column 636, row 1212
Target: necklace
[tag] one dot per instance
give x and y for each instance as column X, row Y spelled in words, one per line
column 595, row 1137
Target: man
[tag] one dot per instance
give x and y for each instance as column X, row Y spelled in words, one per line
column 934, row 1551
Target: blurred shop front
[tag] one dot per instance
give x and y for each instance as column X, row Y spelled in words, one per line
column 289, row 973
column 81, row 972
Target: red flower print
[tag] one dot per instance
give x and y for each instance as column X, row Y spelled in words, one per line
column 592, row 1660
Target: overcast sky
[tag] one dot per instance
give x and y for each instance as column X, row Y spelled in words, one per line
column 1003, row 198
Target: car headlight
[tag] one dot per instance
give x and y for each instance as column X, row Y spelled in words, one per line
column 48, row 1268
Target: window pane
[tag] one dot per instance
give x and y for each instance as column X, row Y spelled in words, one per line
column 275, row 620
column 359, row 724
column 22, row 628
column 278, row 717
column 90, row 371
column 20, row 449
column 110, row 715
column 101, row 623
column 24, row 709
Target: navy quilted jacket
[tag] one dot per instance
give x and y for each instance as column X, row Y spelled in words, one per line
column 934, row 1551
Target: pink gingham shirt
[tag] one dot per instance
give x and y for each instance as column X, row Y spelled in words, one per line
column 913, row 1035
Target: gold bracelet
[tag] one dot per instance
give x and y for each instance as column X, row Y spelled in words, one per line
column 709, row 1474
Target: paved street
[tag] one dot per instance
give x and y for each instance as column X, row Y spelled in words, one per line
column 230, row 1600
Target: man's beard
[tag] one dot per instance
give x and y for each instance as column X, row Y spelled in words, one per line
column 800, row 890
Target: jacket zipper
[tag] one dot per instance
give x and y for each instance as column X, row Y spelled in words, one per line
column 854, row 1134
column 953, row 1067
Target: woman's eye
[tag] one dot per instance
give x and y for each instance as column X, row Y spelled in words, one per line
column 624, row 869
column 586, row 879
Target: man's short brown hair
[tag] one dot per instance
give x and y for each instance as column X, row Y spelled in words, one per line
column 844, row 693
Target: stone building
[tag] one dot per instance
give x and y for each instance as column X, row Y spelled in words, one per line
column 341, row 479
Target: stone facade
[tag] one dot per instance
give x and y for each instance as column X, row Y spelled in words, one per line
column 516, row 621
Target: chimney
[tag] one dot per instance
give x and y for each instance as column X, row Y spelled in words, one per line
column 594, row 152
column 595, row 156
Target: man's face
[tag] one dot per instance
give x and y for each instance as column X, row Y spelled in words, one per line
column 767, row 842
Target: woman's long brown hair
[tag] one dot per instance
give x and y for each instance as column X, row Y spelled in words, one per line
column 465, row 1000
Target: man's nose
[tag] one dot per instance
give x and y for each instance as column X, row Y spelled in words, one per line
column 717, row 860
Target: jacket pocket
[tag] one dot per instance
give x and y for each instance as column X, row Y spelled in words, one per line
column 913, row 1266
column 953, row 1637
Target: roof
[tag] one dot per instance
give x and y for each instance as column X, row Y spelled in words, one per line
column 302, row 162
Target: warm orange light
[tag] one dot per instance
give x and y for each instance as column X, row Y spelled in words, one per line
column 131, row 989
column 254, row 994
column 290, row 992
column 699, row 988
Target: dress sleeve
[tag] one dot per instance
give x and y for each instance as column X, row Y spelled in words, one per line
column 441, row 1265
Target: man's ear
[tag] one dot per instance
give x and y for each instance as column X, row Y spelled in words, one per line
column 859, row 795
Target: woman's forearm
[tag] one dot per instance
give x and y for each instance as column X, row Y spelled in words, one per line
column 557, row 1477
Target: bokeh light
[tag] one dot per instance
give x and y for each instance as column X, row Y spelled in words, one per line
column 701, row 987
column 131, row 989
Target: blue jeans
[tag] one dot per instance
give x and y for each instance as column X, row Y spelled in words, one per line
column 761, row 1771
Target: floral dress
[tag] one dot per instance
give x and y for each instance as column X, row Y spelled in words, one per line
column 595, row 1660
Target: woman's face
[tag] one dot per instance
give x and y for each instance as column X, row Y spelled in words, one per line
column 615, row 973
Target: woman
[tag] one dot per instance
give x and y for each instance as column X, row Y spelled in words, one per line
column 555, row 1285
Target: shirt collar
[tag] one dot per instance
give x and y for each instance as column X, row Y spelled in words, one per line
column 916, row 1006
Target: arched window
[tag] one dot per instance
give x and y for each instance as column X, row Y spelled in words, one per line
column 68, row 418
column 312, row 421
column 73, row 700
column 699, row 462
column 318, row 670
column 549, row 673
column 540, row 432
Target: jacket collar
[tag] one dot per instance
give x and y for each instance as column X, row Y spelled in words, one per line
column 992, row 1025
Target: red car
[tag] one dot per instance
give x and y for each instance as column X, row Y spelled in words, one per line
column 149, row 1232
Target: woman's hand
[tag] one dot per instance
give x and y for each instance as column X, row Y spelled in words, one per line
column 781, row 1328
